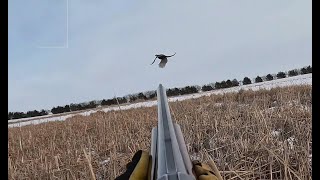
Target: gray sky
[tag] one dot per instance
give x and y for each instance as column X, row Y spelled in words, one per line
column 105, row 48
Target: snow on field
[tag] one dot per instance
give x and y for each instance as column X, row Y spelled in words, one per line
column 276, row 133
column 105, row 161
column 290, row 141
column 41, row 120
column 296, row 80
column 25, row 119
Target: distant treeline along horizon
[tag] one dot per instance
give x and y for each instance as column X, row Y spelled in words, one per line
column 149, row 95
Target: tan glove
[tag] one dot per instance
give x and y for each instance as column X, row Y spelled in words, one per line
column 202, row 171
column 137, row 169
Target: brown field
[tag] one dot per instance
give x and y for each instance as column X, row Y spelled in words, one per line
column 236, row 129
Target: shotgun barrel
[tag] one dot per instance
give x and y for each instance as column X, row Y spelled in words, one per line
column 169, row 156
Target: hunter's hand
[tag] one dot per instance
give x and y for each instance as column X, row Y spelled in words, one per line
column 138, row 168
column 202, row 171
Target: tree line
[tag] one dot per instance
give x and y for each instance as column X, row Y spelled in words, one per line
column 150, row 95
column 268, row 77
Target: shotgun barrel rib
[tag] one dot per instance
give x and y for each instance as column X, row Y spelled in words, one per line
column 169, row 156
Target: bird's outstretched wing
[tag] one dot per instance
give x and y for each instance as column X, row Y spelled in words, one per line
column 171, row 55
column 153, row 61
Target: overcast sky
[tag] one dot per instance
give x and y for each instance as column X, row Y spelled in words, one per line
column 72, row 51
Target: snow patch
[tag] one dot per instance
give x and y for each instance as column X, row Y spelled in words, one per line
column 87, row 113
column 310, row 158
column 104, row 162
column 195, row 156
column 276, row 133
column 290, row 141
column 39, row 121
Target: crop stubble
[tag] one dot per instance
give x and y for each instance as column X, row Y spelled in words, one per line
column 263, row 134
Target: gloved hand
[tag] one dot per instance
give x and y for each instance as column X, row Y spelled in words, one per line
column 138, row 168
column 202, row 171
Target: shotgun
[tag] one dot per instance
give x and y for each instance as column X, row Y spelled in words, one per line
column 169, row 156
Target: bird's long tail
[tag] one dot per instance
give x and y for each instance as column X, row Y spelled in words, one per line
column 153, row 61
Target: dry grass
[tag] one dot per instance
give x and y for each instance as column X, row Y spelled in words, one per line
column 236, row 129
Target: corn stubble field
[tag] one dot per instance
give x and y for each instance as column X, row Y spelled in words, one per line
column 263, row 134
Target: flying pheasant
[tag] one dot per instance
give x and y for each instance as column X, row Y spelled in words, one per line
column 163, row 59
